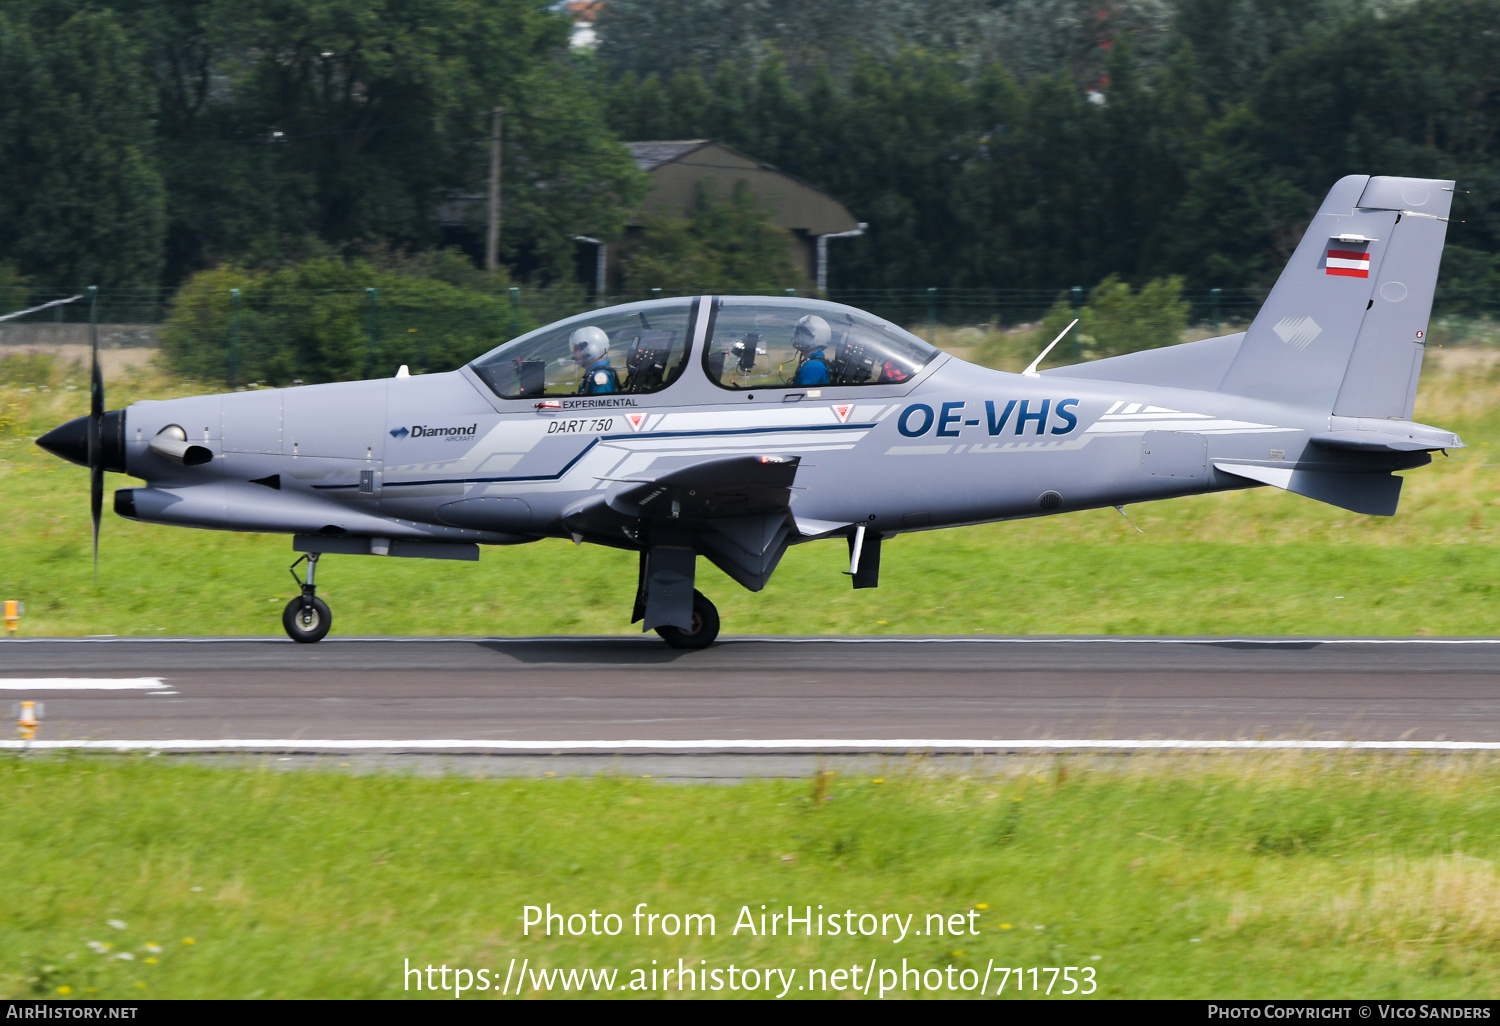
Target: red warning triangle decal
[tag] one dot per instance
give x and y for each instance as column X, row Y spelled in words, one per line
column 636, row 420
column 842, row 411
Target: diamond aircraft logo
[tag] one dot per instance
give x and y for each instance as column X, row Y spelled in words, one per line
column 423, row 431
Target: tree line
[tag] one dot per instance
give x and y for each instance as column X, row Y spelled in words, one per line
column 1173, row 161
column 144, row 140
column 988, row 143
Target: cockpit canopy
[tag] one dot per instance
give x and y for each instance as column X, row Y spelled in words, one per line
column 753, row 342
column 765, row 342
column 647, row 351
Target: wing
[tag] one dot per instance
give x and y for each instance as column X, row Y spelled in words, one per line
column 736, row 510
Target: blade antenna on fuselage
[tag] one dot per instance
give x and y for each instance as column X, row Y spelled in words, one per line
column 1030, row 372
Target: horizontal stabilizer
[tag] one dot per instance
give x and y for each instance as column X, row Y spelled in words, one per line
column 1358, row 434
column 1373, row 493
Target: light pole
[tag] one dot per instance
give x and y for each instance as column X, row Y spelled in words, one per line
column 601, row 259
column 492, row 220
column 823, row 252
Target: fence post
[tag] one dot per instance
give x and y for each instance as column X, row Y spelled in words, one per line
column 1076, row 295
column 373, row 334
column 234, row 338
column 97, row 383
column 515, row 311
column 1213, row 307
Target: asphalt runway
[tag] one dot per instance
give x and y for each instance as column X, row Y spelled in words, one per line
column 770, row 695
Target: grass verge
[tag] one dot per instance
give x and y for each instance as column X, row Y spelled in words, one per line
column 1286, row 875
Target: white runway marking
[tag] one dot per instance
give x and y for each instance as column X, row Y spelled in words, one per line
column 80, row 683
column 975, row 745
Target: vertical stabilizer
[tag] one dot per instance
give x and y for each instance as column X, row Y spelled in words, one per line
column 1343, row 330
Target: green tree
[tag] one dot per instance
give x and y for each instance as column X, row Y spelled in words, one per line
column 238, row 129
column 378, row 111
column 14, row 288
column 1031, row 37
column 1237, row 40
column 1240, row 217
column 1414, row 93
column 319, row 320
column 1117, row 320
column 81, row 202
column 1469, row 281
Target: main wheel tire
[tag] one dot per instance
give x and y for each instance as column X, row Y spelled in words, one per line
column 306, row 624
column 704, row 630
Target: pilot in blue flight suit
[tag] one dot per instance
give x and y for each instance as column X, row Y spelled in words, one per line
column 590, row 347
column 809, row 336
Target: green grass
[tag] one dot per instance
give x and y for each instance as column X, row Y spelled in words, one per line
column 1226, row 876
column 1258, row 562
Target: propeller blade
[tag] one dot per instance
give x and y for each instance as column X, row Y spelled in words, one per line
column 96, row 376
column 96, row 506
column 96, row 423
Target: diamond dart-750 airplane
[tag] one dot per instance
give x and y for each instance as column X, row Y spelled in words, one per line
column 732, row 427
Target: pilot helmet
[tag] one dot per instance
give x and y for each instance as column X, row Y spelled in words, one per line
column 810, row 333
column 588, row 344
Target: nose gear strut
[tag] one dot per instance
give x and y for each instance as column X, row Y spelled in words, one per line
column 307, row 618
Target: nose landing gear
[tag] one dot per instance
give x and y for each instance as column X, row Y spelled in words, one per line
column 306, row 618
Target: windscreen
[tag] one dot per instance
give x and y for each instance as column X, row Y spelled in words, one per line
column 762, row 342
column 640, row 347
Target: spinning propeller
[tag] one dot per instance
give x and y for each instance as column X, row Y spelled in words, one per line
column 96, row 441
column 96, row 424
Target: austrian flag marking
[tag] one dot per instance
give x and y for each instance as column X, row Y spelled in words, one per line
column 1349, row 263
column 842, row 411
column 635, row 420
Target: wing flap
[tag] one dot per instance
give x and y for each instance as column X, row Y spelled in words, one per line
column 735, row 510
column 723, row 488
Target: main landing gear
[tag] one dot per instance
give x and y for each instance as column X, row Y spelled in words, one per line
column 307, row 618
column 666, row 601
column 702, row 633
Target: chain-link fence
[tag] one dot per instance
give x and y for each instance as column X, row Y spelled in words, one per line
column 277, row 337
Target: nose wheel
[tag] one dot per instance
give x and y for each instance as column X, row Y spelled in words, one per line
column 307, row 618
column 704, row 630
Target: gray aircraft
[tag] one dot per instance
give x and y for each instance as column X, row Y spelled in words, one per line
column 733, row 427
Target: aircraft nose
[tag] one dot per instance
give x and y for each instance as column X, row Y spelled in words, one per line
column 70, row 441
